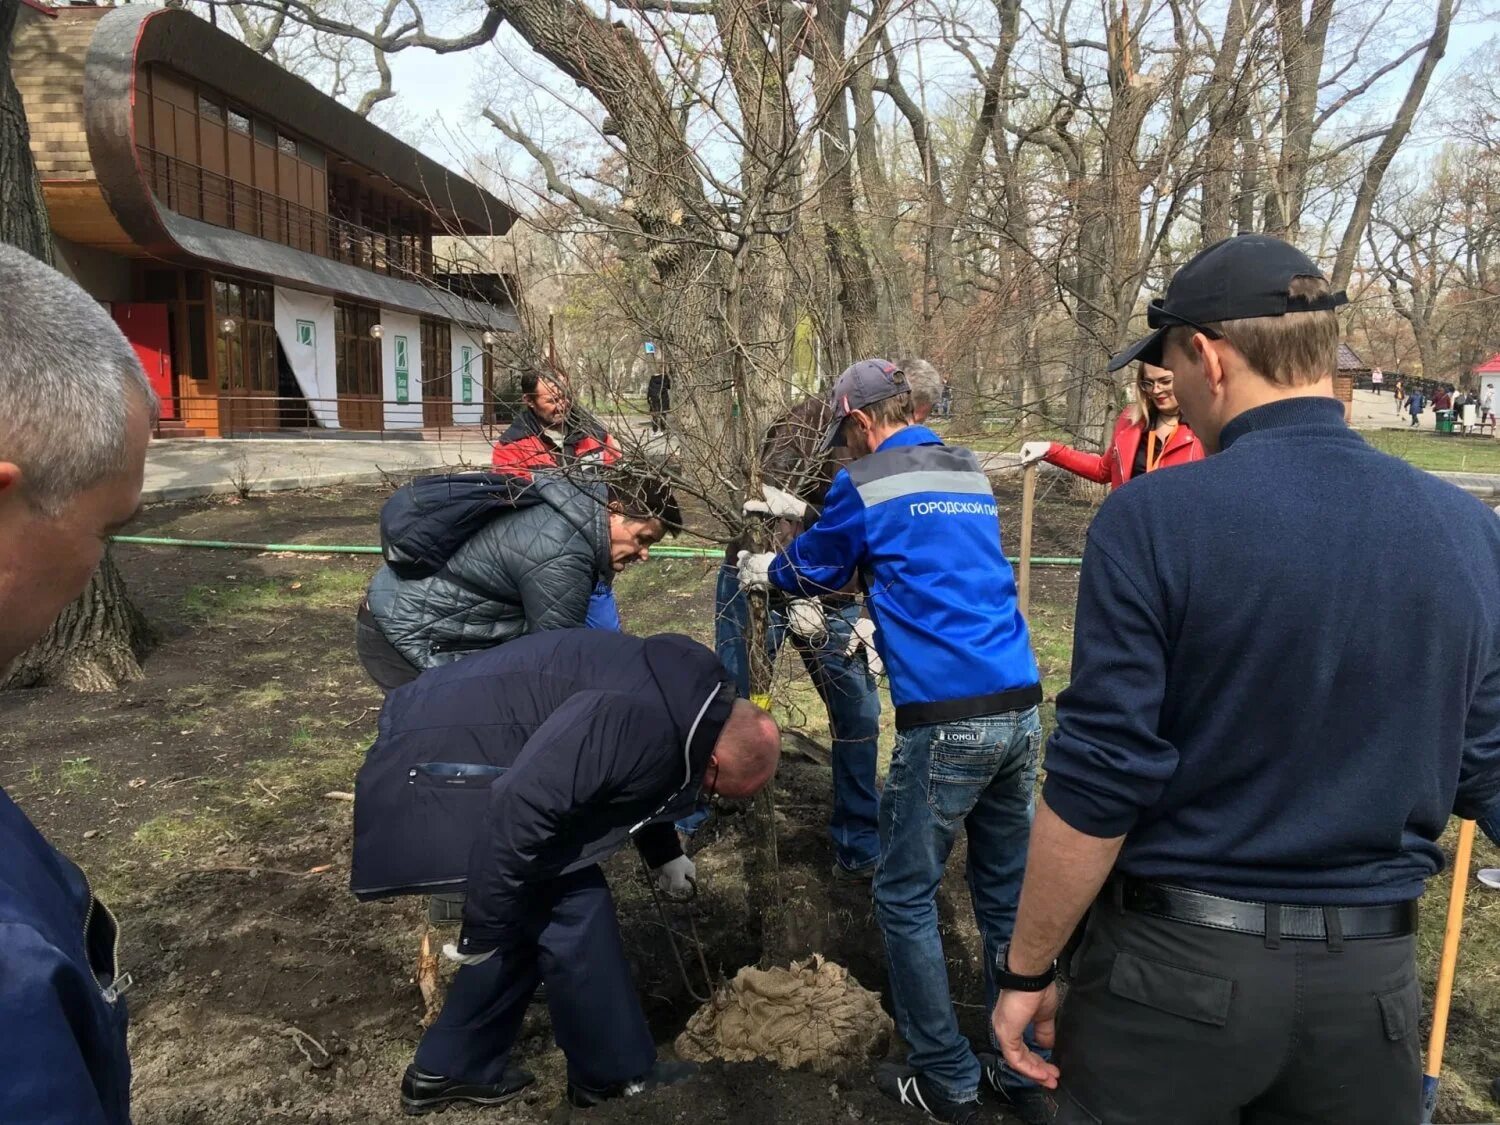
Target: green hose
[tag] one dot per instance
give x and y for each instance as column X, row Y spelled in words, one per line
column 335, row 549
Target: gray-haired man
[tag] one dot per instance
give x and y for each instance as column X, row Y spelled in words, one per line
column 73, row 433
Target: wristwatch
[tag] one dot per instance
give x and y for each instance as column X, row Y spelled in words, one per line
column 1015, row 982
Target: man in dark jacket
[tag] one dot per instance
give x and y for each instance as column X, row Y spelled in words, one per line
column 531, row 568
column 73, row 434
column 519, row 772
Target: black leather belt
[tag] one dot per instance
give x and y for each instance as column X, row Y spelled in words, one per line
column 1276, row 920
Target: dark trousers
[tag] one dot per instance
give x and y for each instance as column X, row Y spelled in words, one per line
column 1168, row 1022
column 596, row 1016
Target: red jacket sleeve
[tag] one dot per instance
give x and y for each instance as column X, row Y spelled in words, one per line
column 1094, row 466
column 516, row 457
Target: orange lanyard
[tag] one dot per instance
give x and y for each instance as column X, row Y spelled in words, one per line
column 1153, row 453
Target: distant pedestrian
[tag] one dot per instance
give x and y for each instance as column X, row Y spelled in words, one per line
column 659, row 399
column 1414, row 404
column 1377, row 380
column 1400, row 396
column 1487, row 404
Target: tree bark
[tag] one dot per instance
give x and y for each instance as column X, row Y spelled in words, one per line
column 96, row 644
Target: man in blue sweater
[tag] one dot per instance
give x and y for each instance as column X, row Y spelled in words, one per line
column 916, row 520
column 1238, row 785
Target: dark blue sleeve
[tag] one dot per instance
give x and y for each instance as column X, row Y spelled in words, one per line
column 1105, row 761
column 1479, row 772
column 823, row 559
column 45, row 1075
column 596, row 750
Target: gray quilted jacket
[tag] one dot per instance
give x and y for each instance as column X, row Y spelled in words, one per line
column 527, row 570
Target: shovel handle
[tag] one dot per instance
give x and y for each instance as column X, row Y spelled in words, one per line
column 1443, row 999
column 1028, row 514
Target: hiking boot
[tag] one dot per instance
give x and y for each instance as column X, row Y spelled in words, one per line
column 666, row 1072
column 908, row 1086
column 1031, row 1104
column 432, row 1093
column 861, row 874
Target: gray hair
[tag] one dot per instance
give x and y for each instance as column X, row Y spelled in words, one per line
column 68, row 378
column 926, row 383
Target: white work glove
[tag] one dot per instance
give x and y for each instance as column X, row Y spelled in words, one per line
column 804, row 617
column 755, row 571
column 451, row 952
column 1034, row 451
column 678, row 878
column 778, row 503
column 863, row 635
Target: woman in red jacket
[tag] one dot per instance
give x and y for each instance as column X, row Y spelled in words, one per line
column 1149, row 435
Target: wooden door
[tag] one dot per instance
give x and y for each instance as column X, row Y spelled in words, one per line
column 437, row 373
column 357, row 370
column 146, row 327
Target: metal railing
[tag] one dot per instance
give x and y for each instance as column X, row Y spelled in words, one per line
column 241, row 414
column 210, row 197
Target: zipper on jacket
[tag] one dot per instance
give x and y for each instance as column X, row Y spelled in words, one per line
column 120, row 982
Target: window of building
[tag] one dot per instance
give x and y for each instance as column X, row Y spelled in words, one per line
column 238, row 121
column 265, row 132
column 309, row 154
column 286, row 144
column 209, row 109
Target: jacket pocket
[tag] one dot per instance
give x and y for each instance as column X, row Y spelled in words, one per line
column 1179, row 992
column 453, row 775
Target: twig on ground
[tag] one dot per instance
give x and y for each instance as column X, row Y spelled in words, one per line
column 299, row 1038
column 266, row 789
column 359, row 717
column 338, row 795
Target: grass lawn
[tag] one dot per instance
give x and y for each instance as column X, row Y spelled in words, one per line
column 1443, row 454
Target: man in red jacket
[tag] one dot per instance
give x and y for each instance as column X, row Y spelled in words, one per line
column 549, row 433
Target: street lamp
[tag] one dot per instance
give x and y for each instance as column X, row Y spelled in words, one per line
column 229, row 325
column 377, row 331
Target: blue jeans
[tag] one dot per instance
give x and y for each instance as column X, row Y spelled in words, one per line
column 847, row 689
column 977, row 775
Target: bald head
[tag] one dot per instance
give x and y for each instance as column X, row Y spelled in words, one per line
column 744, row 759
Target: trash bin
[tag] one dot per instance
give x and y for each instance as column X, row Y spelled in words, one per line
column 1445, row 421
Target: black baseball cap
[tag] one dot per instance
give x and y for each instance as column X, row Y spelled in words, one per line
column 862, row 384
column 1247, row 276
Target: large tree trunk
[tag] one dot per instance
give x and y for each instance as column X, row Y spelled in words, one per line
column 95, row 644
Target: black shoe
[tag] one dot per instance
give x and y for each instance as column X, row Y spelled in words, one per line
column 1031, row 1104
column 432, row 1093
column 665, row 1073
column 861, row 874
column 909, row 1087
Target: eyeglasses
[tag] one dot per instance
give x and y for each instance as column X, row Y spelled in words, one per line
column 1162, row 384
column 1157, row 316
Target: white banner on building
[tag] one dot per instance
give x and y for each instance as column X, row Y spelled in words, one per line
column 401, row 369
column 304, row 325
column 468, row 377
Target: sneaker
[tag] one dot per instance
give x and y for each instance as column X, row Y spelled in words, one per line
column 909, row 1087
column 666, row 1072
column 1031, row 1104
column 861, row 874
column 432, row 1093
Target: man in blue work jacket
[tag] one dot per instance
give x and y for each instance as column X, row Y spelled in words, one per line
column 1238, row 784
column 517, row 772
column 73, row 434
column 916, row 520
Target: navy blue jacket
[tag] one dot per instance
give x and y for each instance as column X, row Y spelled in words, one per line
column 62, row 1023
column 1286, row 668
column 530, row 760
column 917, row 520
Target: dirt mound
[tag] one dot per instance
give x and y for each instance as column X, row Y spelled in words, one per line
column 812, row 1014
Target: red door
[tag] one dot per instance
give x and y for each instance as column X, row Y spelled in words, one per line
column 145, row 326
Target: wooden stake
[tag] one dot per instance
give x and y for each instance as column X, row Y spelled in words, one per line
column 427, row 977
column 1443, row 999
column 1028, row 511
